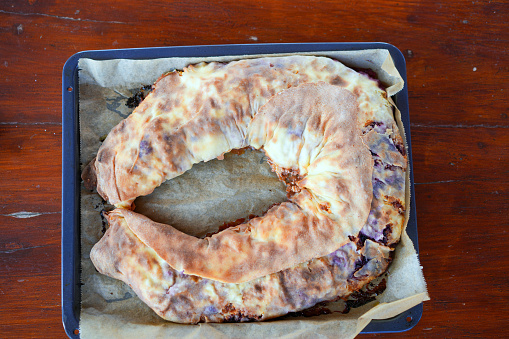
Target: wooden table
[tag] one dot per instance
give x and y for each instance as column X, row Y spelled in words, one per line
column 458, row 75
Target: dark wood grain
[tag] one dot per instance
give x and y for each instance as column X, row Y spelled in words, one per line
column 30, row 159
column 458, row 76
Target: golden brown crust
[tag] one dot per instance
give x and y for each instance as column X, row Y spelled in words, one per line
column 189, row 299
column 197, row 115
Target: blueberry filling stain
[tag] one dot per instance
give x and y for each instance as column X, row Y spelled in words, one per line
column 361, row 298
column 139, row 96
column 145, row 148
column 360, row 262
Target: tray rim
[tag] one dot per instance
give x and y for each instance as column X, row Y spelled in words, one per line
column 71, row 251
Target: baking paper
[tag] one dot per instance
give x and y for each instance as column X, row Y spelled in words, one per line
column 200, row 201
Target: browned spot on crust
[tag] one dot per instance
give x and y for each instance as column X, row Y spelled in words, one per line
column 232, row 315
column 357, row 91
column 284, row 289
column 314, row 122
column 258, row 288
column 121, row 126
column 396, row 203
column 228, row 308
column 338, row 81
column 240, row 151
column 213, row 103
column 325, row 206
column 219, row 84
column 370, row 123
column 194, row 278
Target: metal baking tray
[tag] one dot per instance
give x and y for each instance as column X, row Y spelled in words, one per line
column 71, row 295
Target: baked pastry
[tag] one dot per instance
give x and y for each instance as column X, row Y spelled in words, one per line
column 184, row 298
column 204, row 111
column 338, row 150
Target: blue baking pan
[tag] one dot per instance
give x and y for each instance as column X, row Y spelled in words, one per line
column 71, row 168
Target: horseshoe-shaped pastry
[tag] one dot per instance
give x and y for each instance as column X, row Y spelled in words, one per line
column 338, row 150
